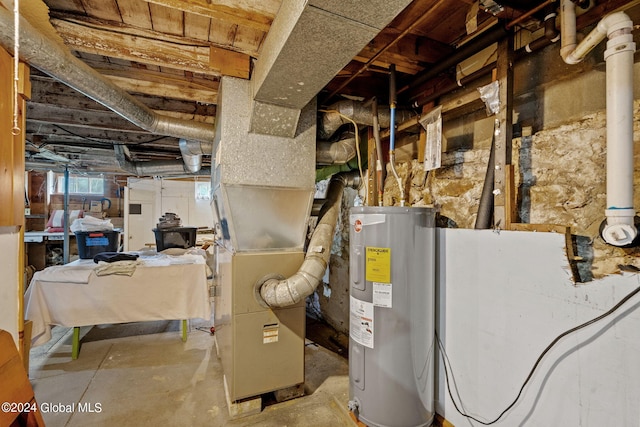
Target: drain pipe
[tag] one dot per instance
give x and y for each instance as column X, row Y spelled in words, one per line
column 275, row 292
column 55, row 59
column 620, row 229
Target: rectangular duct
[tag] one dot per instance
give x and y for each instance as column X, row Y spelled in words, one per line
column 263, row 185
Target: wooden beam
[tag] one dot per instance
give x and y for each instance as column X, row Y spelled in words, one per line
column 242, row 13
column 175, row 89
column 47, row 91
column 504, row 75
column 46, row 113
column 107, row 40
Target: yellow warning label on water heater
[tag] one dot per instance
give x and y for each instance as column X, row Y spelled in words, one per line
column 378, row 265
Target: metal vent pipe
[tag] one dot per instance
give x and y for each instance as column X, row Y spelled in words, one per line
column 360, row 112
column 155, row 167
column 56, row 60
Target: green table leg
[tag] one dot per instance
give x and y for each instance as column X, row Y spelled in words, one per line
column 75, row 345
column 184, row 330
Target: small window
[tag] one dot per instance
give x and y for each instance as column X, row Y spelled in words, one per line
column 79, row 184
column 203, row 190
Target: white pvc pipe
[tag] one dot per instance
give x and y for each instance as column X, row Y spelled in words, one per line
column 567, row 28
column 619, row 229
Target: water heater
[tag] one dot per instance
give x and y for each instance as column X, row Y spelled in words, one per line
column 391, row 331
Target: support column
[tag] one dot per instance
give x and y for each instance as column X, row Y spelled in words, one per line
column 502, row 213
column 12, row 196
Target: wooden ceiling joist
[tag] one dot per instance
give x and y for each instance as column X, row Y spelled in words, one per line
column 112, row 41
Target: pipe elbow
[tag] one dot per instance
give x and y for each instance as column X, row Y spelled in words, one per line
column 568, row 56
column 615, row 22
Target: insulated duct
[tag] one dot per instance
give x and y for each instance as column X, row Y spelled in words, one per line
column 55, row 59
column 336, row 153
column 153, row 168
column 620, row 227
column 290, row 291
column 360, row 112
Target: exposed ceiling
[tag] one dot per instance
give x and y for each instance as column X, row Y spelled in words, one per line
column 170, row 54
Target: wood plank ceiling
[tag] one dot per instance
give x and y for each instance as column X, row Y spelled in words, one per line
column 170, row 54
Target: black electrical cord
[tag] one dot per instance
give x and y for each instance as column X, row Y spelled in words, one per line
column 445, row 360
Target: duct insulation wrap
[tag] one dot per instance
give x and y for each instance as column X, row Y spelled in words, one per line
column 391, row 331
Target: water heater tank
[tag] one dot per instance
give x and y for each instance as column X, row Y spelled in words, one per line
column 391, row 332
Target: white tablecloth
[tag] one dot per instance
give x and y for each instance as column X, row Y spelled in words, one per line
column 73, row 295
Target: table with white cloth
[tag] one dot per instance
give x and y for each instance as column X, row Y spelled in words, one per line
column 159, row 288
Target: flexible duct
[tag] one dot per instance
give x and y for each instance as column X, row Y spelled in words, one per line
column 620, row 229
column 336, row 153
column 153, row 168
column 360, row 112
column 56, row 60
column 292, row 290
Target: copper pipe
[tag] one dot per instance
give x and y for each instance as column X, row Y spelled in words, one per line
column 536, row 9
column 365, row 67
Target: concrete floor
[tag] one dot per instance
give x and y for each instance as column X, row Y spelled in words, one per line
column 144, row 375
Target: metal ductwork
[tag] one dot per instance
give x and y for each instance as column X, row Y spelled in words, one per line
column 339, row 114
column 192, row 152
column 54, row 58
column 308, row 44
column 338, row 152
column 292, row 290
column 153, row 168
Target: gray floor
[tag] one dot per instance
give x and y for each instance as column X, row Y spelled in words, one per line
column 144, row 375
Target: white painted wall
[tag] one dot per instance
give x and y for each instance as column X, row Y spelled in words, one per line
column 9, row 298
column 159, row 196
column 503, row 297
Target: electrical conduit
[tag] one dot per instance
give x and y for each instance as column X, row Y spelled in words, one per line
column 619, row 229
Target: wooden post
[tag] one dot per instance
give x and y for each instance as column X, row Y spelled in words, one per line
column 503, row 138
column 12, row 173
column 372, row 185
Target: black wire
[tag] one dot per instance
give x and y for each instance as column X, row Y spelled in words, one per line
column 445, row 360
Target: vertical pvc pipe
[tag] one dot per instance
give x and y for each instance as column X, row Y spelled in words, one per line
column 620, row 229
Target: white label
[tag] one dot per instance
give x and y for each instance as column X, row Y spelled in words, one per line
column 269, row 334
column 361, row 322
column 382, row 294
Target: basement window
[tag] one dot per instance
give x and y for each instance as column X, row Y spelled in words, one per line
column 203, row 190
column 78, row 184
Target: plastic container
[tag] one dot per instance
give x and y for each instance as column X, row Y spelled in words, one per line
column 175, row 237
column 91, row 243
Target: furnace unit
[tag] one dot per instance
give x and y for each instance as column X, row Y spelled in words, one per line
column 263, row 189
